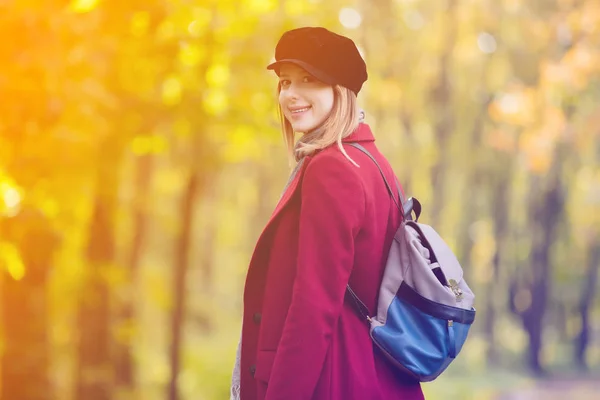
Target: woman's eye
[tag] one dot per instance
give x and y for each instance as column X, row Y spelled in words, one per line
column 285, row 82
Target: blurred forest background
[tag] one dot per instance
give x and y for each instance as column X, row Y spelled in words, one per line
column 140, row 157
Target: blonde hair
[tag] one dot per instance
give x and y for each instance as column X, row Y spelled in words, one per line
column 341, row 122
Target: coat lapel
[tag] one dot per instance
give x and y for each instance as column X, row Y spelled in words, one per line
column 288, row 193
column 362, row 134
column 290, row 188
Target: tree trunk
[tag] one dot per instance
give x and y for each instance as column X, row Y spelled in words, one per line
column 94, row 373
column 179, row 289
column 545, row 217
column 587, row 298
column 201, row 157
column 24, row 309
column 443, row 115
column 500, row 210
column 126, row 318
column 204, row 318
column 548, row 218
column 474, row 181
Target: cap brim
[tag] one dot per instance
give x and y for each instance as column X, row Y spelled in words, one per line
column 317, row 73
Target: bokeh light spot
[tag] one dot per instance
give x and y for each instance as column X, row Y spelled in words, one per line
column 509, row 104
column 486, row 43
column 83, row 6
column 140, row 23
column 217, row 75
column 215, row 102
column 262, row 6
column 13, row 263
column 171, row 91
column 190, row 55
column 12, row 198
column 350, row 18
column 413, row 20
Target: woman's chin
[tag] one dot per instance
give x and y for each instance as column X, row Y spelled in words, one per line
column 303, row 127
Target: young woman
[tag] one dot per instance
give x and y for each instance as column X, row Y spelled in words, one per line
column 302, row 338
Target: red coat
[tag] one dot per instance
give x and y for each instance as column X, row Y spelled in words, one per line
column 301, row 338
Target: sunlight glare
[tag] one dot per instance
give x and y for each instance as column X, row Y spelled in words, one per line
column 486, row 43
column 11, row 197
column 413, row 20
column 350, row 18
column 83, row 6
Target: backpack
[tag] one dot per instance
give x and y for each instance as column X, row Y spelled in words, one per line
column 425, row 307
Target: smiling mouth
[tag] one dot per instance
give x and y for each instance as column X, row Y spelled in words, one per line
column 300, row 110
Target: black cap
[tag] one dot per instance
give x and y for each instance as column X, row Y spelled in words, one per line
column 329, row 57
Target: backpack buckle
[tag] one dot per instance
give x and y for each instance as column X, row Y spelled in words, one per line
column 458, row 293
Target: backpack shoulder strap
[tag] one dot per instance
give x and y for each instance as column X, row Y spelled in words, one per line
column 387, row 185
column 408, row 206
column 405, row 206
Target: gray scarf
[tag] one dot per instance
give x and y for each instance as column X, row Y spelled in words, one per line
column 306, row 139
column 315, row 134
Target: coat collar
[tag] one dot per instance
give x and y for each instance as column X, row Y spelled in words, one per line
column 361, row 134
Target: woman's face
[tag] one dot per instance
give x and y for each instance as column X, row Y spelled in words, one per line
column 305, row 101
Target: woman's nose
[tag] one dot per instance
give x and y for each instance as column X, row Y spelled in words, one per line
column 290, row 92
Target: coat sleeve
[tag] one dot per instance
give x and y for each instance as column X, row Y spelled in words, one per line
column 331, row 214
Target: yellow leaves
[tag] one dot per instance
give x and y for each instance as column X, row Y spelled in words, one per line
column 166, row 30
column 392, row 95
column 171, row 91
column 217, row 75
column 350, row 18
column 215, row 102
column 261, row 102
column 584, row 19
column 48, row 206
column 484, row 247
column 140, row 23
column 83, row 6
column 574, row 70
column 10, row 196
column 261, row 6
column 510, row 336
column 585, row 205
column 538, row 143
column 516, row 107
column 501, row 139
column 12, row 261
column 389, row 93
column 145, row 144
column 543, row 125
column 156, row 287
column 541, row 31
column 182, row 127
column 242, row 144
column 554, row 122
column 170, row 181
column 581, row 62
column 194, row 29
column 298, row 7
column 587, row 133
column 538, row 151
column 191, row 55
column 202, row 18
column 554, row 73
